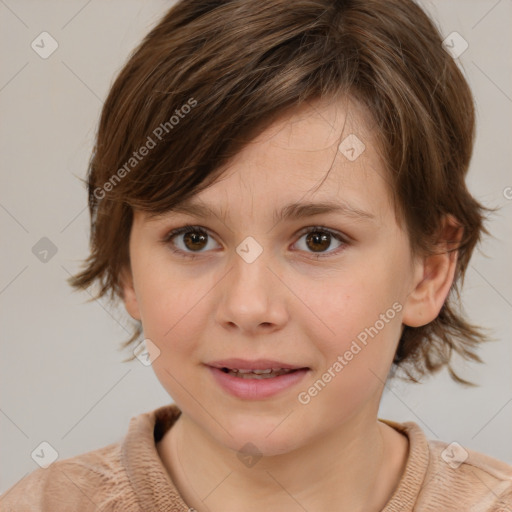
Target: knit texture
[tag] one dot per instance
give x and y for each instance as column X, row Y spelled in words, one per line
column 129, row 476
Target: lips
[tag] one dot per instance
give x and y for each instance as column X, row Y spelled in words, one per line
column 268, row 373
column 256, row 364
column 256, row 369
column 256, row 379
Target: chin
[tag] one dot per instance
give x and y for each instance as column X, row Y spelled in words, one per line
column 260, row 440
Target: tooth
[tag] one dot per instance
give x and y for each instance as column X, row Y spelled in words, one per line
column 243, row 371
column 256, row 376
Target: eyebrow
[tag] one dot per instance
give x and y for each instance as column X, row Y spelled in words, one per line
column 289, row 211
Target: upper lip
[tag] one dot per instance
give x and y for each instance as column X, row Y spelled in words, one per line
column 257, row 364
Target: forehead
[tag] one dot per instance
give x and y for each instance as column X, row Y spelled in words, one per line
column 312, row 159
column 320, row 124
column 325, row 149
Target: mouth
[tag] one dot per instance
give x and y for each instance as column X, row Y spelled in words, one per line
column 256, row 368
column 268, row 373
column 258, row 379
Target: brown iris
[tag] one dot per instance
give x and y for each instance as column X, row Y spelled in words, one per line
column 317, row 237
column 196, row 238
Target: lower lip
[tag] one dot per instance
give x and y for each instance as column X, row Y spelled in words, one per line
column 256, row 389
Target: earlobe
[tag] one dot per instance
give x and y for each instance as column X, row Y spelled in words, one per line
column 129, row 296
column 434, row 275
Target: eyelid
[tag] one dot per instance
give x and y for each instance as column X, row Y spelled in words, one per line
column 341, row 237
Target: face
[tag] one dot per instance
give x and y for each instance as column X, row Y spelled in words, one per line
column 316, row 292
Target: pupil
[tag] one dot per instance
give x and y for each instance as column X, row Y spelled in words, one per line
column 316, row 237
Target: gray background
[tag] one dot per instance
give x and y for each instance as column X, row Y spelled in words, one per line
column 62, row 379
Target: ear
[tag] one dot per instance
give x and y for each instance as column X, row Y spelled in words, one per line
column 129, row 296
column 433, row 276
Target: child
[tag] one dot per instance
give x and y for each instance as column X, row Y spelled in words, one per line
column 240, row 135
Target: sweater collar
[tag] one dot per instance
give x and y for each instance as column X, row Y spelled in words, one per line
column 156, row 491
column 406, row 494
column 149, row 479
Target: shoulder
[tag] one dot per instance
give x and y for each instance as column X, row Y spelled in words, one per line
column 450, row 477
column 127, row 475
column 471, row 477
column 84, row 482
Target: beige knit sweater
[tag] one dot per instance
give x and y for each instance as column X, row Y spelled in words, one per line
column 130, row 477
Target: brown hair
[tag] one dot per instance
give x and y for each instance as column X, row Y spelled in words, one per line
column 213, row 74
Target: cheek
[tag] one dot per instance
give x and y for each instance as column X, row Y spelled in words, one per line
column 173, row 318
column 361, row 314
column 166, row 296
column 172, row 315
column 356, row 359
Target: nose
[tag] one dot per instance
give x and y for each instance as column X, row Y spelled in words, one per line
column 253, row 298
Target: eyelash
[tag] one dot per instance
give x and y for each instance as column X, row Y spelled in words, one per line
column 197, row 229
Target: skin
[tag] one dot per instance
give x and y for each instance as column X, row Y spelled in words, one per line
column 298, row 303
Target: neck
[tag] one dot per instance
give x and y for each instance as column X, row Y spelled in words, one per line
column 349, row 469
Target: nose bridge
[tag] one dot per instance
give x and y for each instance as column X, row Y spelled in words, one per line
column 251, row 294
column 250, row 279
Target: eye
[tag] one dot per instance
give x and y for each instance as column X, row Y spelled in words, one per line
column 318, row 239
column 195, row 240
column 190, row 240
